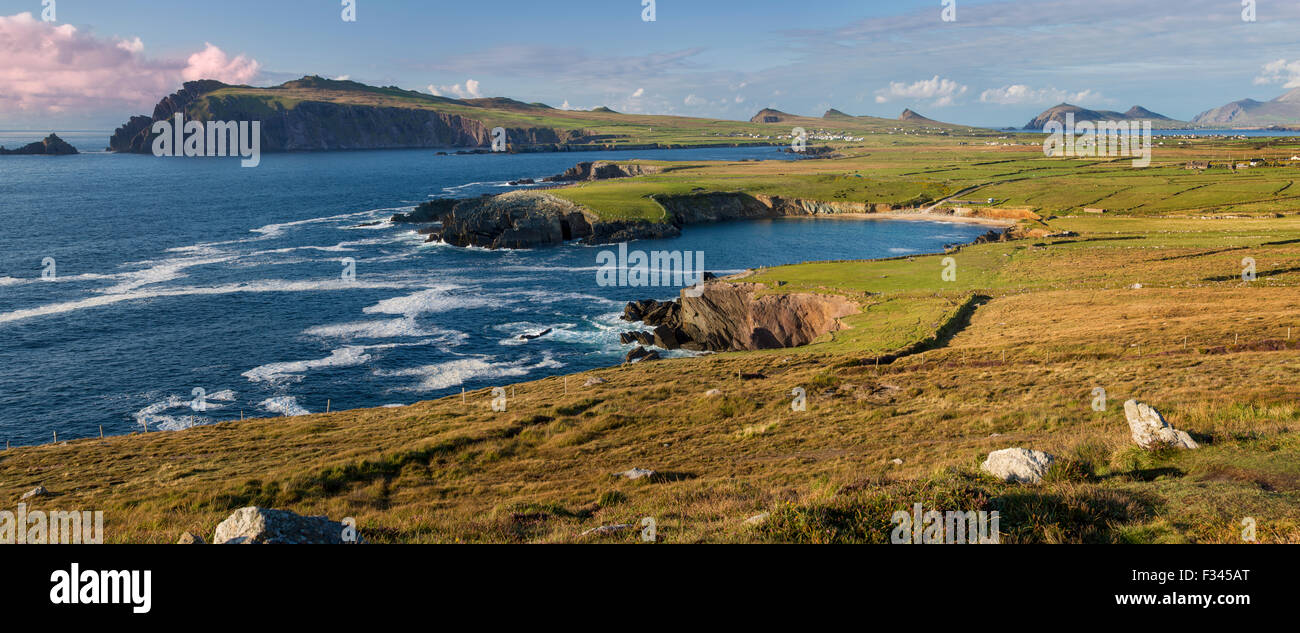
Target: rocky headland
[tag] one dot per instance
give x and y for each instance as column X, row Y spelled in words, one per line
column 51, row 145
column 735, row 316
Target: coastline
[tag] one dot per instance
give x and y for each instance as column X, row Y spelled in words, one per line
column 921, row 217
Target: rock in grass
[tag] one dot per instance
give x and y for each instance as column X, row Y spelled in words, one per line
column 594, row 380
column 636, row 473
column 256, row 526
column 713, row 393
column 605, row 530
column 1018, row 465
column 39, row 491
column 190, row 538
column 758, row 519
column 1151, row 431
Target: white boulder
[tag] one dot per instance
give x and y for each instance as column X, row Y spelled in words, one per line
column 1018, row 465
column 1151, row 431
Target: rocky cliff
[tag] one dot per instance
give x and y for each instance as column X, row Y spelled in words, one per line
column 51, row 145
column 323, row 125
column 731, row 316
column 604, row 170
column 525, row 219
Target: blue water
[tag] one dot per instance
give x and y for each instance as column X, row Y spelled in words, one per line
column 172, row 275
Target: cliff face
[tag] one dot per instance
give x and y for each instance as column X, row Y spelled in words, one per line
column 719, row 207
column 134, row 135
column 729, row 316
column 525, row 219
column 321, row 125
column 604, row 170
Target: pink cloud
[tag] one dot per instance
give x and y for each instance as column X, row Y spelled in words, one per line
column 51, row 68
column 213, row 63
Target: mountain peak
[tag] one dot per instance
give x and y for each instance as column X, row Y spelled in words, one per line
column 769, row 115
column 909, row 115
column 1290, row 97
column 836, row 114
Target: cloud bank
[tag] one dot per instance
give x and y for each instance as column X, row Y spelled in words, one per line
column 57, row 68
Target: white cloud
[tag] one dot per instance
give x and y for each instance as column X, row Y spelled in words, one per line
column 468, row 91
column 56, row 68
column 938, row 91
column 1017, row 94
column 639, row 93
column 1280, row 72
column 213, row 63
column 692, row 100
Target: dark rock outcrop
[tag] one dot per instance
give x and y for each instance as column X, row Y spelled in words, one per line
column 51, row 145
column 521, row 219
column 527, row 219
column 135, row 135
column 430, row 211
column 640, row 355
column 603, row 170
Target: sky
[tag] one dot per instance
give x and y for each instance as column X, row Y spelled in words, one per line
column 995, row 63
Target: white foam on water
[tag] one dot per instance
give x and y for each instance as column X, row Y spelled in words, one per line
column 284, row 405
column 385, row 328
column 549, row 296
column 433, row 300
column 327, row 285
column 902, row 250
column 159, row 272
column 350, row 356
column 458, row 372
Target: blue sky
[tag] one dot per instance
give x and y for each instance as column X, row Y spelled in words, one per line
column 999, row 63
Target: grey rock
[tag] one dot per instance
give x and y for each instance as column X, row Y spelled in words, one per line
column 1150, row 430
column 606, row 530
column 190, row 538
column 636, row 473
column 255, row 526
column 1018, row 465
column 39, row 491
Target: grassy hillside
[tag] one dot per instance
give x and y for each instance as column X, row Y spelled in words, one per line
column 900, row 170
column 600, row 126
column 1053, row 319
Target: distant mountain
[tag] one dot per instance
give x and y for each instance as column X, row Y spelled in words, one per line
column 910, row 116
column 1283, row 111
column 1136, row 113
column 768, row 115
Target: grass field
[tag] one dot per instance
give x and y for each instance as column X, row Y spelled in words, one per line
column 1006, row 355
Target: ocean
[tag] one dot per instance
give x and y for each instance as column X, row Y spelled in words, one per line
column 153, row 293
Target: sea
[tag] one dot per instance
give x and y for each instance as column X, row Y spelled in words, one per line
column 151, row 294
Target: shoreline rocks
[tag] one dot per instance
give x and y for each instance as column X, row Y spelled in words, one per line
column 51, row 145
